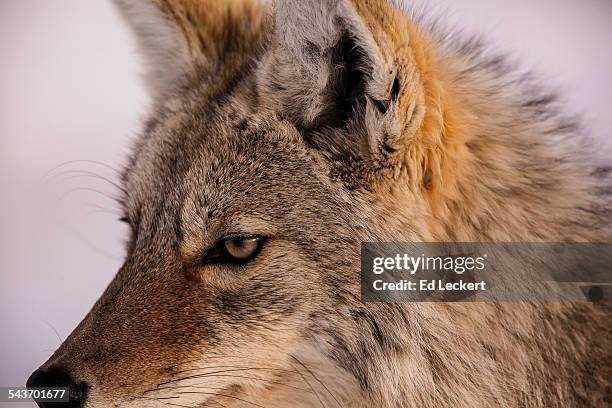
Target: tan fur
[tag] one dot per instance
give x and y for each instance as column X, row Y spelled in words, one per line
column 321, row 125
column 207, row 38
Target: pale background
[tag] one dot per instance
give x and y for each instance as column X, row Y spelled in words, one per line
column 70, row 90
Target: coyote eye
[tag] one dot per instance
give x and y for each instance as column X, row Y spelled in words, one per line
column 241, row 248
column 238, row 250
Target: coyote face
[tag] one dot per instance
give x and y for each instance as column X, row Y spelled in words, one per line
column 281, row 138
column 229, row 270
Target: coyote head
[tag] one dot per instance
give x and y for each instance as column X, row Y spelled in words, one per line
column 281, row 137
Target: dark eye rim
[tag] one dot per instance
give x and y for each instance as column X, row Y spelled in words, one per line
column 218, row 254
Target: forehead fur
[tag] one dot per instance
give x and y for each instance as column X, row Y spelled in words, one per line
column 204, row 164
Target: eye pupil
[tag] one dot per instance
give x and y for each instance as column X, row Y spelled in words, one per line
column 241, row 248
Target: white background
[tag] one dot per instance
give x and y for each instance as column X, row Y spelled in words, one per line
column 70, row 90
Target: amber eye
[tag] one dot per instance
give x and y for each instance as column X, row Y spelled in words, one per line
column 235, row 250
column 241, row 248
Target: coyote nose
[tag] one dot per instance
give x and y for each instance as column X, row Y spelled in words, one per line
column 58, row 378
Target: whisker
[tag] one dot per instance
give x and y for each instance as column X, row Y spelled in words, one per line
column 88, row 243
column 276, row 382
column 99, row 209
column 202, row 393
column 312, row 388
column 67, row 163
column 91, row 190
column 318, row 380
column 54, row 330
column 221, row 372
column 235, row 367
column 76, row 174
column 224, row 396
column 173, row 383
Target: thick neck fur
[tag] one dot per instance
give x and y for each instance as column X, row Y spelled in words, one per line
column 492, row 160
column 499, row 162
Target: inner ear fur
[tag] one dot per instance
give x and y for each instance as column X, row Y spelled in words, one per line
column 329, row 74
column 367, row 87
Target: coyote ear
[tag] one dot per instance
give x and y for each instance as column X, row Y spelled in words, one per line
column 185, row 39
column 327, row 68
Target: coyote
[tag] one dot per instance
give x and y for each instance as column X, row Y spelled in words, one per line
column 283, row 135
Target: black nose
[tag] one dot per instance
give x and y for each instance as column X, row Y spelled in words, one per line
column 59, row 378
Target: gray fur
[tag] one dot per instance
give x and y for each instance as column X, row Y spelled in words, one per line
column 267, row 138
